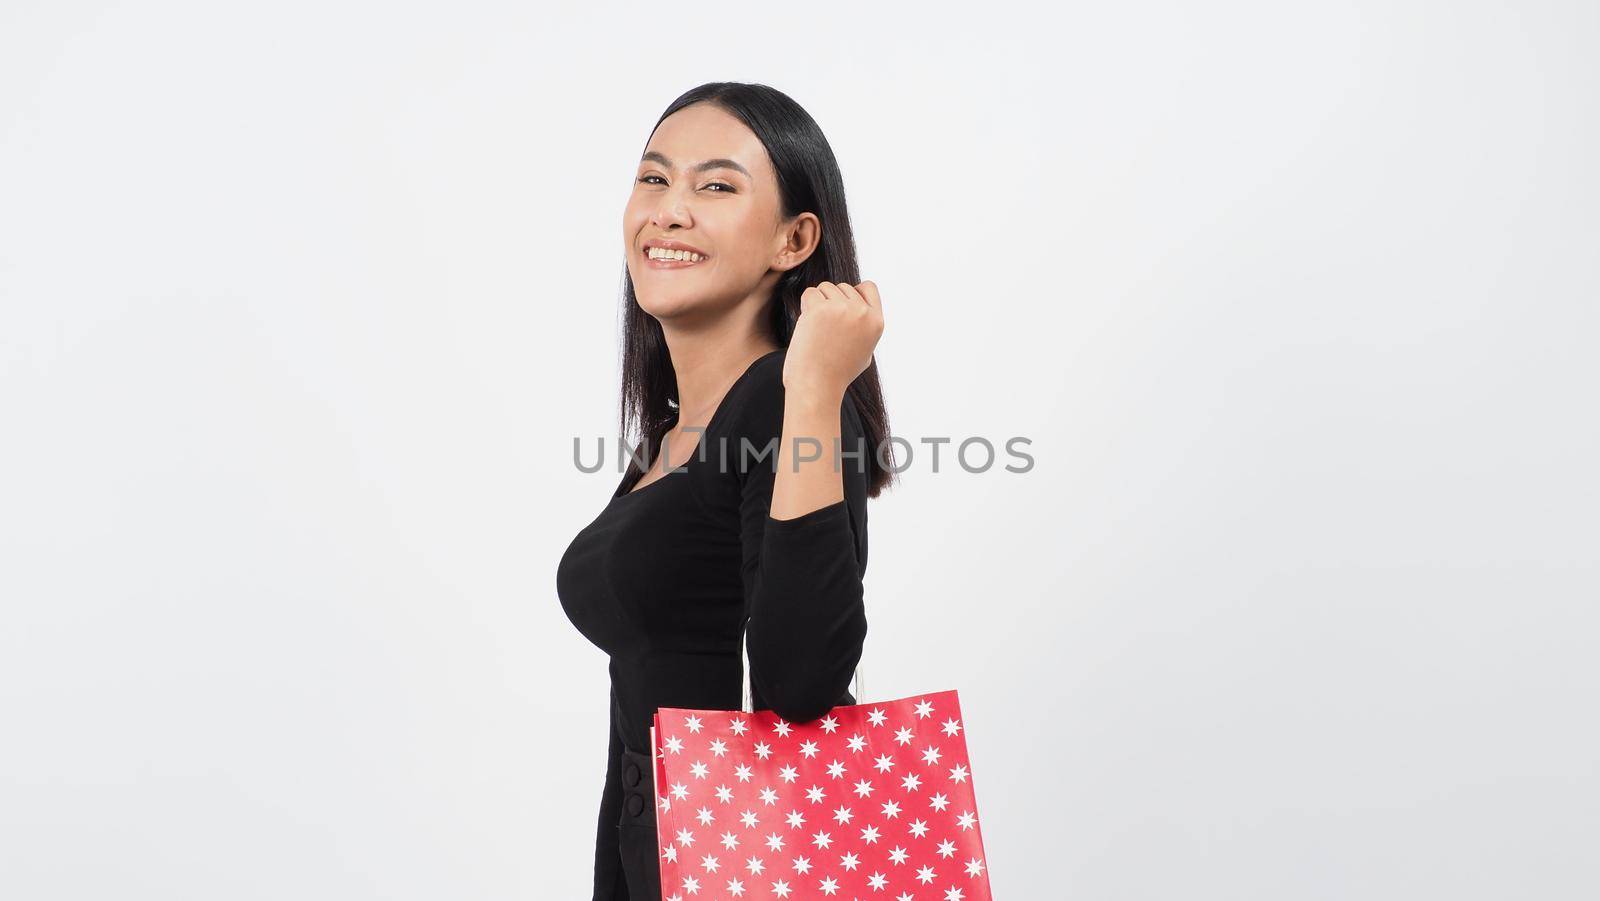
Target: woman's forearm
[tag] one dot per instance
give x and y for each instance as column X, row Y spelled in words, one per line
column 809, row 474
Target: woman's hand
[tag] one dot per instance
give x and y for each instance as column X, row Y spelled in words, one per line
column 833, row 339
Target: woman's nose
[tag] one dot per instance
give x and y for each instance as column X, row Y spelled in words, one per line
column 672, row 207
column 670, row 213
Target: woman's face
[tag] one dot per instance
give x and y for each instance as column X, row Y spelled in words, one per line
column 705, row 182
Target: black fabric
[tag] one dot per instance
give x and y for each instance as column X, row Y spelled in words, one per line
column 664, row 577
column 636, row 838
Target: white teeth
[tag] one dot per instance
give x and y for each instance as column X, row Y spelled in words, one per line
column 656, row 253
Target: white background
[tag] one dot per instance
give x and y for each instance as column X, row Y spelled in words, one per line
column 301, row 305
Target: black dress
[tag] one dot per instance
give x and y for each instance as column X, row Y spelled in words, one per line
column 664, row 578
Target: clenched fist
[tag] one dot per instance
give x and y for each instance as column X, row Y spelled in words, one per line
column 834, row 337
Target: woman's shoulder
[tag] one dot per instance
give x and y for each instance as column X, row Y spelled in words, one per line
column 754, row 405
column 755, row 402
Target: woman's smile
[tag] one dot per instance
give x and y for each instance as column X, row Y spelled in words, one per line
column 672, row 255
column 667, row 261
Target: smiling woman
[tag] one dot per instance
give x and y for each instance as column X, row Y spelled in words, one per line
column 747, row 325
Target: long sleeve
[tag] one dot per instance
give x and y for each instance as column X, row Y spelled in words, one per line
column 802, row 576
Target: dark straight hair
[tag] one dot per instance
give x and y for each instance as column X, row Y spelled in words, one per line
column 808, row 181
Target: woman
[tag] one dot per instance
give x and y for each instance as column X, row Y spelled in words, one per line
column 745, row 330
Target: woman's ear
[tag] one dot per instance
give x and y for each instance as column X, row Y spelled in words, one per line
column 802, row 235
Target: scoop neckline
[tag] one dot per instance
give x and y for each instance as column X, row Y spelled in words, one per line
column 716, row 416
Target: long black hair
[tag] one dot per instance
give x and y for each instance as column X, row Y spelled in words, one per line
column 808, row 181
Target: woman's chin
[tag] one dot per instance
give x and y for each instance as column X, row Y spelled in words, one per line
column 669, row 304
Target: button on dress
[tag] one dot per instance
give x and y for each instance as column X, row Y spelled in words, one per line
column 665, row 577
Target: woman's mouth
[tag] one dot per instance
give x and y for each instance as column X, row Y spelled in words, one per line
column 657, row 258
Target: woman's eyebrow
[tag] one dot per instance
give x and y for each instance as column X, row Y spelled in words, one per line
column 653, row 156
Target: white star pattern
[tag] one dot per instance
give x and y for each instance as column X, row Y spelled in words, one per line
column 719, row 773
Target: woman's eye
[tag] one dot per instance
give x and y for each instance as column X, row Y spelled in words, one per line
column 645, row 179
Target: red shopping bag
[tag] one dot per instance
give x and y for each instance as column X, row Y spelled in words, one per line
column 870, row 801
